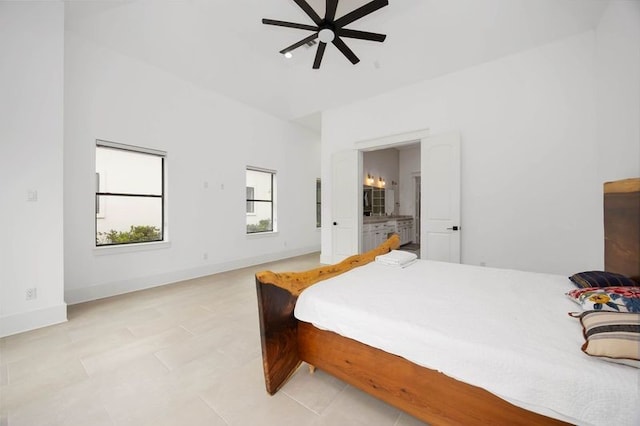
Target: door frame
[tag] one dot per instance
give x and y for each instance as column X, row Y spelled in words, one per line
column 391, row 141
column 416, row 180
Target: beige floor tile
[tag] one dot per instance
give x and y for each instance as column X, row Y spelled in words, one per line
column 17, row 347
column 314, row 391
column 181, row 354
column 354, row 407
column 407, row 420
column 110, row 319
column 68, row 404
column 40, row 384
column 223, row 338
column 187, row 412
column 109, row 360
column 240, row 399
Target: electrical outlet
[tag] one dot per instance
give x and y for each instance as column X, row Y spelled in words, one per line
column 31, row 294
column 205, row 256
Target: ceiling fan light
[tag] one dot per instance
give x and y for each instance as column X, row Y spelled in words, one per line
column 288, row 55
column 326, row 35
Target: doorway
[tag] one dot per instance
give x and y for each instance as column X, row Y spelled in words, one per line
column 391, row 169
column 439, row 196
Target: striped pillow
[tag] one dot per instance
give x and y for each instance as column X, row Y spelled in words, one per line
column 601, row 279
column 612, row 336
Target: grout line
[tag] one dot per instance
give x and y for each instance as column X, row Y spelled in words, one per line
column 212, row 409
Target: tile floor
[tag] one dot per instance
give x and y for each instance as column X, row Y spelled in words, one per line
column 184, row 354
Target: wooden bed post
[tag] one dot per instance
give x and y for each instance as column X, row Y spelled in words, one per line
column 622, row 227
column 279, row 334
column 277, row 296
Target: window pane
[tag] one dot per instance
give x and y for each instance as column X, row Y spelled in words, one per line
column 261, row 182
column 128, row 220
column 261, row 221
column 128, row 172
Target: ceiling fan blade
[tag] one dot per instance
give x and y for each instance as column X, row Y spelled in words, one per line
column 330, row 14
column 368, row 8
column 300, row 43
column 362, row 35
column 319, row 54
column 309, row 11
column 289, row 24
column 337, row 42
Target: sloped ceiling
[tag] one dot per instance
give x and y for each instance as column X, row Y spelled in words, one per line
column 221, row 45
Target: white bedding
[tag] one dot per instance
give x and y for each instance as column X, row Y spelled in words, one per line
column 503, row 330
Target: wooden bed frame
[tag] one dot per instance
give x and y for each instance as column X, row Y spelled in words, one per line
column 424, row 393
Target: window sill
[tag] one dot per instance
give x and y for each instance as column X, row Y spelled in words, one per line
column 262, row 234
column 131, row 248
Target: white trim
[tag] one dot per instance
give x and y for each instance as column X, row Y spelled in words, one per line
column 261, row 169
column 116, row 145
column 25, row 321
column 262, row 234
column 79, row 295
column 130, row 248
column 392, row 140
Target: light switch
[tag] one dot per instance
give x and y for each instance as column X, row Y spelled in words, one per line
column 32, row 195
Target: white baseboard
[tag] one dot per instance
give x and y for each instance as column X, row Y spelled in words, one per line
column 85, row 294
column 26, row 321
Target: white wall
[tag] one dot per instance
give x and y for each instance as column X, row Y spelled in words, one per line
column 531, row 193
column 409, row 167
column 618, row 91
column 210, row 140
column 383, row 163
column 31, row 143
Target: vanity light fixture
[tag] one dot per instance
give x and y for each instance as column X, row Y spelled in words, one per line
column 381, row 182
column 369, row 179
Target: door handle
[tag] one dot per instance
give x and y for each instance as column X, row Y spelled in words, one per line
column 454, row 228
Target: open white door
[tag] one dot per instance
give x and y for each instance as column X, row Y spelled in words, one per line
column 440, row 207
column 346, row 190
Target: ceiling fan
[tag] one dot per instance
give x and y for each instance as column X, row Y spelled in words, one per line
column 330, row 30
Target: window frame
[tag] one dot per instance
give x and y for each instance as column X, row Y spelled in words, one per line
column 251, row 207
column 99, row 209
column 254, row 200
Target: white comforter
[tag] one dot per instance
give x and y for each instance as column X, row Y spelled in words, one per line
column 503, row 330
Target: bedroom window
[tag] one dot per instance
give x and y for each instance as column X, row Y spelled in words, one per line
column 260, row 190
column 130, row 194
column 318, row 203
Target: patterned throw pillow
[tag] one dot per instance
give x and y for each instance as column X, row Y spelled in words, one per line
column 615, row 299
column 601, row 279
column 612, row 336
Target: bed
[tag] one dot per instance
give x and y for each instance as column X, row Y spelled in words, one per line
column 427, row 383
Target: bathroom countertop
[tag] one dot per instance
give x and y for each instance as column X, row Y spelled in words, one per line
column 378, row 219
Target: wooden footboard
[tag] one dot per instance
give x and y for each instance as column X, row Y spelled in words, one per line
column 277, row 296
column 426, row 394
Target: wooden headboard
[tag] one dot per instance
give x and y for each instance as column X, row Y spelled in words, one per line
column 622, row 227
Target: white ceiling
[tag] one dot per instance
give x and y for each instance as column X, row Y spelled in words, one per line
column 222, row 45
